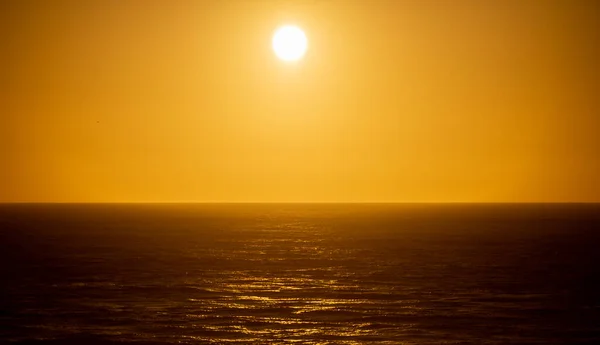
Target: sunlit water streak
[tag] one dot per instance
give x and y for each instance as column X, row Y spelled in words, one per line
column 307, row 274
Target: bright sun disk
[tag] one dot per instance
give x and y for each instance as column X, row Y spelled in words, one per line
column 289, row 43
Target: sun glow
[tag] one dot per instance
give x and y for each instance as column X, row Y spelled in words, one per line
column 289, row 43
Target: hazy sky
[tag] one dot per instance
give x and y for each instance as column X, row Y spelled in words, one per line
column 408, row 101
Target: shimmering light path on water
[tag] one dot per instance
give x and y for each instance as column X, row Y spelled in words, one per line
column 307, row 274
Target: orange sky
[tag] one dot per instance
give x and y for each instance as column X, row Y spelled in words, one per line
column 395, row 101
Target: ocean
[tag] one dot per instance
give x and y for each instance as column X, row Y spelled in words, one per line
column 300, row 274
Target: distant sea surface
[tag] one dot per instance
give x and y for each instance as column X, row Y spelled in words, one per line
column 300, row 274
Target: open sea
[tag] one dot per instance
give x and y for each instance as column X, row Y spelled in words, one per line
column 300, row 274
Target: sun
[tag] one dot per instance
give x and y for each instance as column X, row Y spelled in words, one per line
column 289, row 43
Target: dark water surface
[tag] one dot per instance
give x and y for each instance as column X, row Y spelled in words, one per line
column 302, row 274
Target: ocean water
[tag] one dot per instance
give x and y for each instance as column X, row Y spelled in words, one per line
column 300, row 274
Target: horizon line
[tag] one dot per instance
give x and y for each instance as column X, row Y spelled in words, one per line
column 288, row 202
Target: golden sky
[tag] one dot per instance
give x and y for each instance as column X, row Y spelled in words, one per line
column 394, row 101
